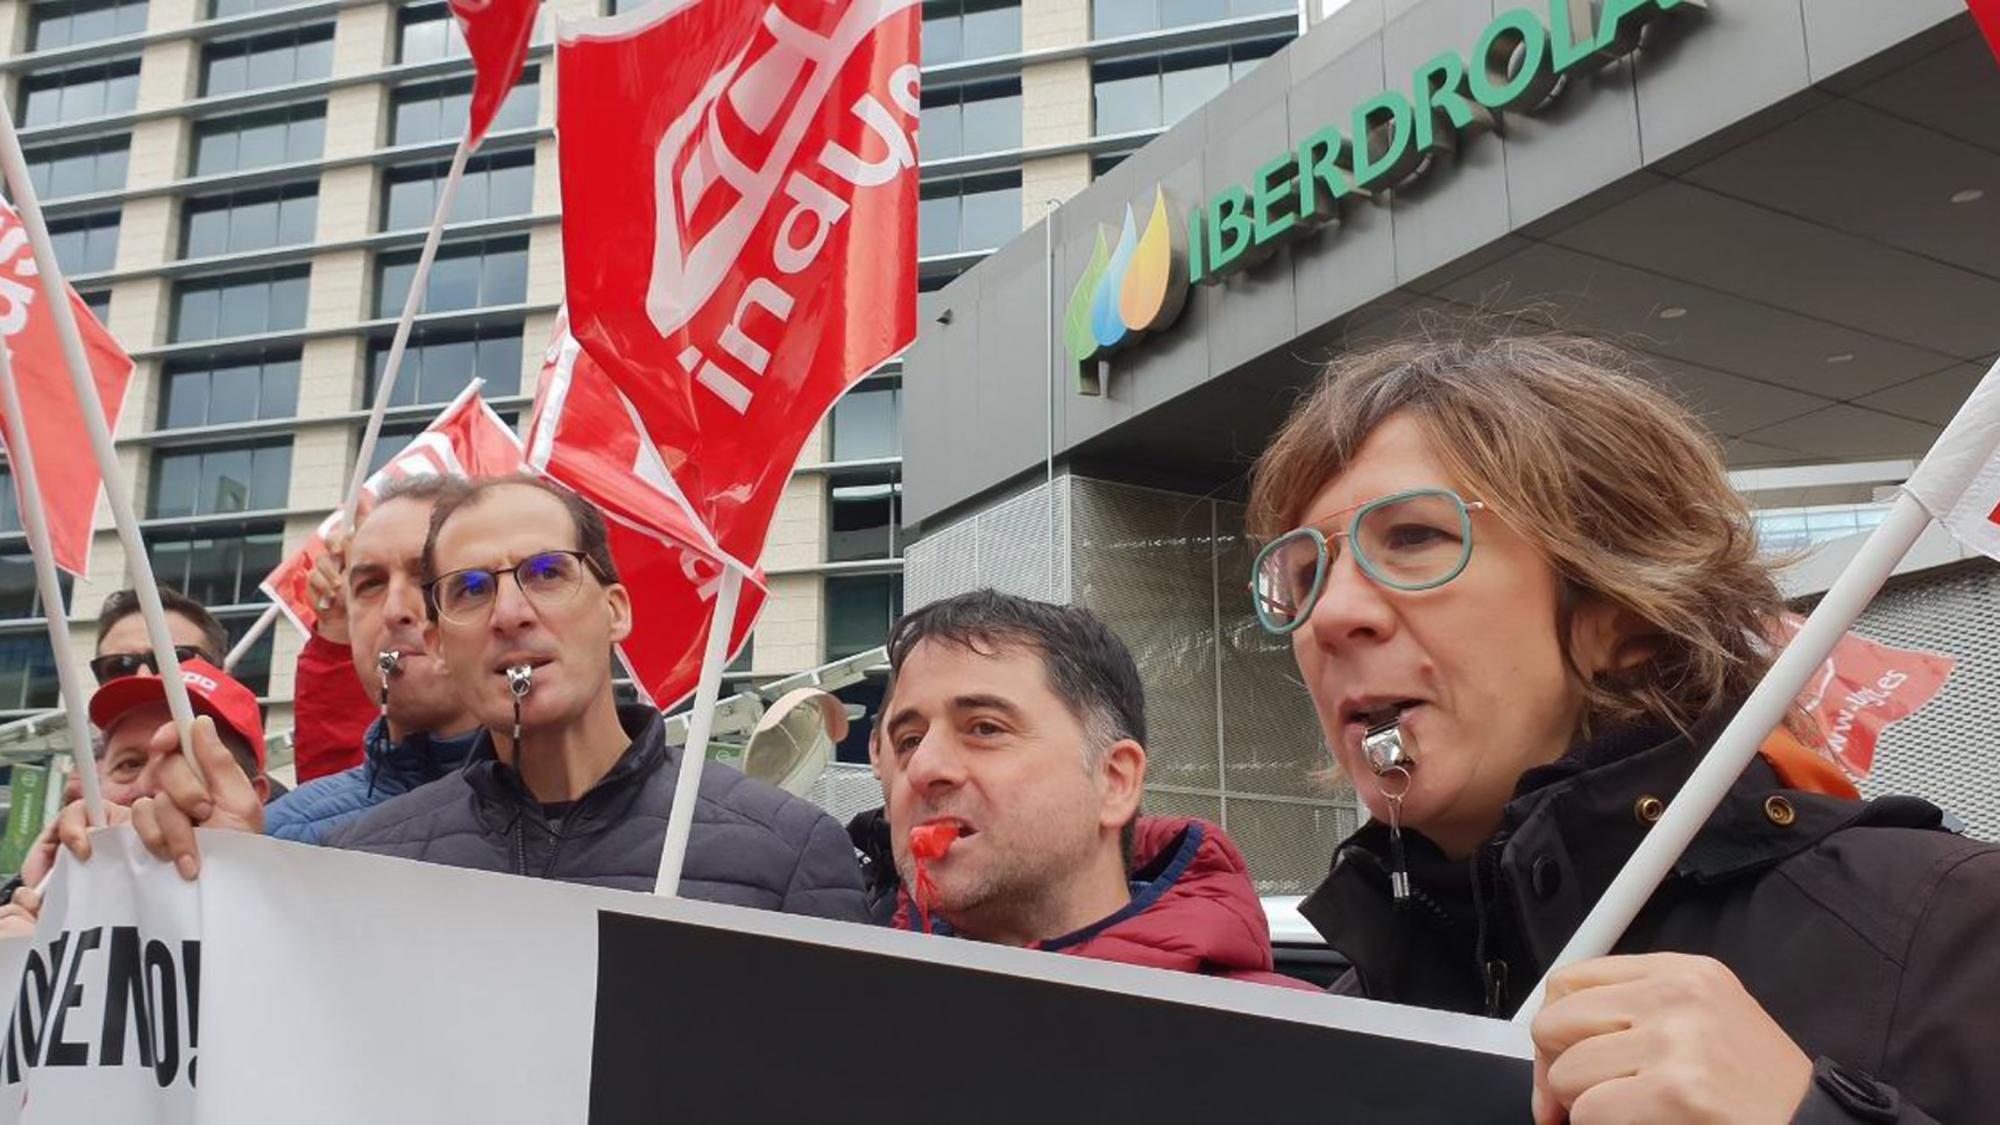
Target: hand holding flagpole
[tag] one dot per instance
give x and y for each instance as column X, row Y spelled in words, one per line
column 1958, row 469
column 76, row 701
column 56, row 291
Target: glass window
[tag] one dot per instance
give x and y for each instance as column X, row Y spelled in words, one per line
column 234, row 387
column 426, row 33
column 862, row 521
column 279, row 58
column 86, row 243
column 439, row 362
column 223, row 9
column 964, row 215
column 866, row 424
column 204, row 482
column 859, row 611
column 28, row 673
column 466, row 276
column 436, row 111
column 219, row 566
column 972, row 119
column 78, row 92
column 259, row 140
column 18, row 598
column 99, row 304
column 495, row 185
column 1157, row 91
column 65, row 23
column 244, row 304
column 1111, row 18
column 955, row 30
column 238, row 221
column 79, row 169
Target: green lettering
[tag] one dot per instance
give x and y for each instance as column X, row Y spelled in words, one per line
column 1229, row 229
column 1383, row 156
column 1510, row 63
column 1441, row 105
column 1321, row 186
column 1569, row 33
column 1617, row 38
column 1271, row 197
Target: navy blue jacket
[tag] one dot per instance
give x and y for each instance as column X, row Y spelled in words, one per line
column 313, row 811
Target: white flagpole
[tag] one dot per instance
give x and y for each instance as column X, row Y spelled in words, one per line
column 680, row 818
column 250, row 638
column 419, row 281
column 76, row 701
column 138, row 564
column 1968, row 443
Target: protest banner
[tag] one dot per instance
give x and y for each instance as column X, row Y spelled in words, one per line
column 323, row 986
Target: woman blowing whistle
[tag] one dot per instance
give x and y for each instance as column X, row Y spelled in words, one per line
column 1525, row 599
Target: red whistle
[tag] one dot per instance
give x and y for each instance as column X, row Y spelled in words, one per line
column 931, row 841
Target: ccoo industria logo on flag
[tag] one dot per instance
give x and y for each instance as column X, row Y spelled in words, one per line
column 1129, row 288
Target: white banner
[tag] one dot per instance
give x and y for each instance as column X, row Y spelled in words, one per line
column 307, row 985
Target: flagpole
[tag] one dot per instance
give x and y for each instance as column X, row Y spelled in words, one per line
column 138, row 564
column 680, row 818
column 76, row 702
column 419, row 281
column 1968, row 444
column 250, row 638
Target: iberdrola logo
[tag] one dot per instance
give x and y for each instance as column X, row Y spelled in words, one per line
column 1127, row 290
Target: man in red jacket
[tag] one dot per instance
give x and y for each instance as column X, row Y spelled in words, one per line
column 1012, row 759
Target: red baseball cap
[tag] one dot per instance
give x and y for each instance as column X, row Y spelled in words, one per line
column 212, row 691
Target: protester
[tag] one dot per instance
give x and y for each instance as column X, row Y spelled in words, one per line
column 1019, row 727
column 372, row 594
column 125, row 649
column 331, row 723
column 139, row 739
column 523, row 576
column 1528, row 566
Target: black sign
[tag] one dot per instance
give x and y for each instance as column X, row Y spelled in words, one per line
column 696, row 1023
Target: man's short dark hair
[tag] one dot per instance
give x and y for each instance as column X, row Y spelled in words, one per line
column 592, row 537
column 430, row 488
column 1088, row 667
column 124, row 603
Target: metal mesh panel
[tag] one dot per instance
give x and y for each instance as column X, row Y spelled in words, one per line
column 1288, row 844
column 1005, row 547
column 1945, row 753
column 845, row 790
column 1204, row 806
column 1143, row 563
column 940, row 564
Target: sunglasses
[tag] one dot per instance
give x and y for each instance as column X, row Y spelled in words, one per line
column 118, row 665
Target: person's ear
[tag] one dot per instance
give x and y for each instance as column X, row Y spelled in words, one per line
column 620, row 603
column 1604, row 637
column 1122, row 782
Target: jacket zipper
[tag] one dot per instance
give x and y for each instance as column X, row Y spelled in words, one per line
column 1492, row 970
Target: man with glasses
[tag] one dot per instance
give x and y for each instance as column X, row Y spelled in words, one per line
column 563, row 783
column 372, row 600
column 124, row 649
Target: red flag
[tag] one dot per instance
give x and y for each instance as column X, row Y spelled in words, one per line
column 585, row 435
column 65, row 467
column 1862, row 688
column 1987, row 14
column 466, row 440
column 739, row 231
column 497, row 34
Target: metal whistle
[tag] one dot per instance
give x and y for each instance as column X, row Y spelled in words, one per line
column 390, row 663
column 520, row 678
column 1387, row 747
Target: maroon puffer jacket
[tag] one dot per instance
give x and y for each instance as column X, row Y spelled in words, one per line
column 1193, row 909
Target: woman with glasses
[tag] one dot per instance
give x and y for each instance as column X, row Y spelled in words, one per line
column 1524, row 600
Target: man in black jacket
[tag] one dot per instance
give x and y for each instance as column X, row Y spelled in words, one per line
column 564, row 783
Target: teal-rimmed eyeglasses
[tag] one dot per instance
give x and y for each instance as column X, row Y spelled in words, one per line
column 1414, row 540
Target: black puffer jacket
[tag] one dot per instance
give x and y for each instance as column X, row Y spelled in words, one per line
column 752, row 844
column 1871, row 936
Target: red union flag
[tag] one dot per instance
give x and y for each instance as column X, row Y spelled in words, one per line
column 739, row 231
column 497, row 34
column 1987, row 14
column 466, row 440
column 1862, row 688
column 585, row 435
column 65, row 468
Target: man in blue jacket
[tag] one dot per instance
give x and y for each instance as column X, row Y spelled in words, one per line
column 424, row 731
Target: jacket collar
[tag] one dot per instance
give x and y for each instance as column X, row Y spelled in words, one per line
column 1564, row 837
column 501, row 796
column 419, row 758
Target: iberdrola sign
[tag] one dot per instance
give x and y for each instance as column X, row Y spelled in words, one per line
column 1136, row 280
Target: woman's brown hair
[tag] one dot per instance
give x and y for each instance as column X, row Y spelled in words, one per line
column 1618, row 485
